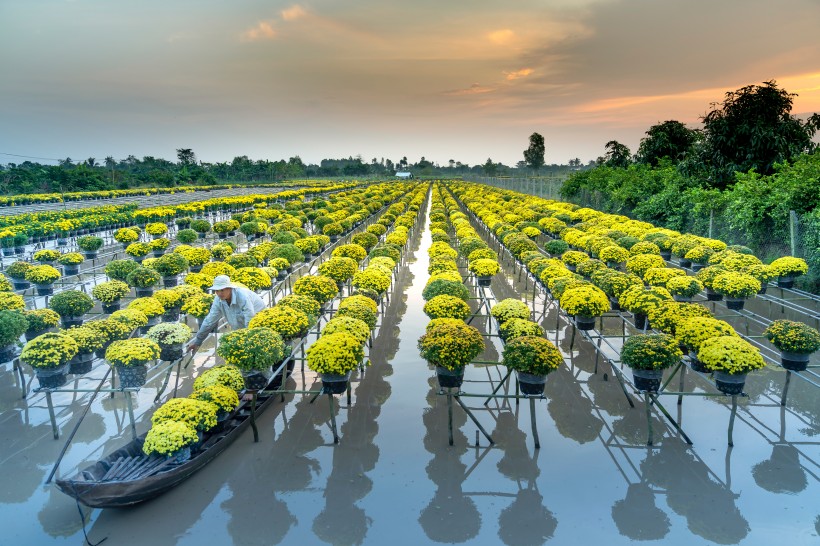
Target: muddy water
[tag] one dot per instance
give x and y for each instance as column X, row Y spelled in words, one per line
column 394, row 479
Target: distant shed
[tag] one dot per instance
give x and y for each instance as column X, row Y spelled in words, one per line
column 404, row 174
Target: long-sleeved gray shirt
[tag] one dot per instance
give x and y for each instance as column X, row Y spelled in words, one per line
column 242, row 308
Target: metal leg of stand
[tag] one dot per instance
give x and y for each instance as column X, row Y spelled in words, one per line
column 51, row 416
column 472, row 417
column 498, row 387
column 450, row 417
column 682, row 376
column 253, row 417
column 670, row 419
column 332, row 419
column 786, row 388
column 649, row 439
column 348, row 394
column 534, row 425
column 131, row 414
column 19, row 369
column 732, row 420
column 164, row 384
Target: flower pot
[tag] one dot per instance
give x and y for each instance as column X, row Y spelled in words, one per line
column 52, row 378
column 80, row 364
column 8, row 252
column 681, row 298
column 8, row 353
column 685, row 263
column 786, row 282
column 730, row 383
column 171, row 281
column 571, row 267
column 696, row 364
column 180, row 456
column 222, row 235
column 21, row 285
column 62, row 242
column 90, row 254
column 283, row 274
column 109, row 308
column 31, row 335
column 531, row 384
column 585, row 323
column 450, row 379
column 170, row 353
column 132, row 377
column 614, row 304
column 70, row 270
column 647, row 380
column 641, row 321
column 257, row 379
column 796, row 362
column 334, row 238
column 144, row 292
column 484, row 280
column 70, row 322
column 764, row 285
column 45, row 289
column 171, row 315
column 100, row 353
column 138, row 259
column 697, row 266
column 666, row 255
column 334, row 383
column 711, row 295
column 735, row 304
column 19, row 250
column 158, row 253
column 201, row 235
column 196, row 268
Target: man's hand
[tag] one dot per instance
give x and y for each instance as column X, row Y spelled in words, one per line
column 192, row 347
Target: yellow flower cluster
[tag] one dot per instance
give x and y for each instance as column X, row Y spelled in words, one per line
column 252, row 277
column 684, row 286
column 668, row 314
column 88, row 340
column 736, row 285
column 510, row 308
column 533, row 355
column 789, row 266
column 151, row 307
column 517, row 327
column 131, row 352
column 110, row 291
column 451, row 345
column 42, row 274
column 614, row 254
column 730, row 354
column 224, row 398
column 336, row 353
column 372, row 278
column 169, row 298
column 109, row 329
column 446, row 306
column 584, row 301
column 660, row 276
column 156, row 228
column 198, row 414
column 225, row 376
column 484, row 267
column 289, row 322
column 339, row 268
column 694, row 331
column 126, row 235
column 11, row 302
column 360, row 307
column 318, row 287
column 49, row 350
column 651, row 352
column 252, row 348
column 640, row 263
column 350, row 325
column 168, row 438
column 793, row 336
column 198, row 305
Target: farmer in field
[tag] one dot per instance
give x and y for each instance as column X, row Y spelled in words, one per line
column 237, row 304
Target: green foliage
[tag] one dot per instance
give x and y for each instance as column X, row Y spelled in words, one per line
column 668, row 140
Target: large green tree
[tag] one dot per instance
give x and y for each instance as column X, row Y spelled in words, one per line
column 534, row 155
column 617, row 154
column 753, row 129
column 668, row 140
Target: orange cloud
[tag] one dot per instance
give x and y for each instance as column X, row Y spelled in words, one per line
column 523, row 73
column 475, row 89
column 501, row 37
column 262, row 31
column 294, row 12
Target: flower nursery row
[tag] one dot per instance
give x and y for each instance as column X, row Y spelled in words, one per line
column 36, row 226
column 449, row 343
column 586, row 287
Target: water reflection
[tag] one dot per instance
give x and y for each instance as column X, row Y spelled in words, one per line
column 782, row 472
column 526, row 522
column 570, row 409
column 451, row 516
column 637, row 516
column 59, row 517
column 694, row 493
column 516, row 462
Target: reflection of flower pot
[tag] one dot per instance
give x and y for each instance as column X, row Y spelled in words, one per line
column 450, row 379
column 45, row 289
column 132, row 376
column 531, row 384
column 256, row 379
column 145, row 292
column 170, row 353
column 81, row 363
column 52, row 378
column 647, row 380
column 786, row 282
column 641, row 321
column 9, row 352
column 21, row 285
column 735, row 304
column 484, row 280
column 796, row 362
column 333, row 383
column 637, row 517
column 584, row 323
column 109, row 308
column 70, row 322
column 70, row 270
column 697, row 365
column 730, row 383
column 781, row 473
column 711, row 295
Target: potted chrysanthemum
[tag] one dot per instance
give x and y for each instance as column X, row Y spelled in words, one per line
column 450, row 347
column 334, row 356
column 130, row 358
column 484, row 269
column 88, row 341
column 254, row 351
column 796, row 342
column 648, row 355
column 110, row 293
column 172, row 440
column 736, row 288
column 71, row 305
column 40, row 321
column 787, row 269
column 532, row 358
column 170, row 336
column 49, row 354
column 585, row 303
column 731, row 359
column 43, row 276
column 12, row 326
column 693, row 332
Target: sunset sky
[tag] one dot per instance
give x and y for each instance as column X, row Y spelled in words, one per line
column 463, row 80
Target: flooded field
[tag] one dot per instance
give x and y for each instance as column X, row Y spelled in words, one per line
column 394, row 478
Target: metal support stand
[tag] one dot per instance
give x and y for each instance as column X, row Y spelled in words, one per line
column 253, row 417
column 332, row 419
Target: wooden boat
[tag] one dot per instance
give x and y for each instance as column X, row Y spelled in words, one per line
column 128, row 476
